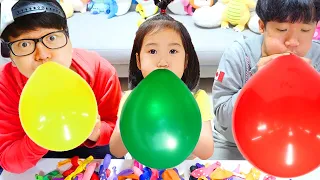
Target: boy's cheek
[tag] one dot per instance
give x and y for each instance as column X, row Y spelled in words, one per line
column 304, row 48
column 275, row 46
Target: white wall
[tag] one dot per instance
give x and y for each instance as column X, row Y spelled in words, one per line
column 3, row 60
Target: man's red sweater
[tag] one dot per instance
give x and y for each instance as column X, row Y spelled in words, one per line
column 18, row 152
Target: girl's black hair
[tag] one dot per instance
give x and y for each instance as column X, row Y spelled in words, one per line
column 292, row 11
column 33, row 21
column 162, row 21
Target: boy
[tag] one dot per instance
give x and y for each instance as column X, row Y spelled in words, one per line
column 286, row 26
column 36, row 33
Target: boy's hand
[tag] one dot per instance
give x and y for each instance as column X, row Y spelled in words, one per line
column 96, row 131
column 265, row 60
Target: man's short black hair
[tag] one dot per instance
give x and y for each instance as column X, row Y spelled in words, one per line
column 33, row 21
column 292, row 11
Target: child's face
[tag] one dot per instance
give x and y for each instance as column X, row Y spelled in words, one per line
column 28, row 64
column 162, row 50
column 287, row 37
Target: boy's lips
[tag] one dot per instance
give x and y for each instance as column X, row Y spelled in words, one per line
column 292, row 52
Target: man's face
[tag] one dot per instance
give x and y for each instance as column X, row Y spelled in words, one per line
column 287, row 37
column 48, row 50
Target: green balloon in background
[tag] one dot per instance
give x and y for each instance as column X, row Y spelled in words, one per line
column 160, row 122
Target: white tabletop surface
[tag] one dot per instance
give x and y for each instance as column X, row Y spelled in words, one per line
column 47, row 165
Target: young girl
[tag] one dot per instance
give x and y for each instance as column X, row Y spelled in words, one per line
column 162, row 42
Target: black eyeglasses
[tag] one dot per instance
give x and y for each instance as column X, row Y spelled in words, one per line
column 25, row 47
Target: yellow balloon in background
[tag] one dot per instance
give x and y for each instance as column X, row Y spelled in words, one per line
column 57, row 108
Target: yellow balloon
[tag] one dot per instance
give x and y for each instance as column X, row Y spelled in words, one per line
column 57, row 108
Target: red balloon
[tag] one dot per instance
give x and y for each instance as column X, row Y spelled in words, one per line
column 276, row 119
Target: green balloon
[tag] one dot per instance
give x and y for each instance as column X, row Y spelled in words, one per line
column 160, row 122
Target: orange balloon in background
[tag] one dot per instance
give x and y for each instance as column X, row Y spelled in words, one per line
column 276, row 118
column 57, row 108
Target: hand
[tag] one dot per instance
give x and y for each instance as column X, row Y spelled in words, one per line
column 265, row 60
column 96, row 131
column 117, row 128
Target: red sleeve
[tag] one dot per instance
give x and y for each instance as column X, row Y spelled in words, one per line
column 18, row 153
column 108, row 92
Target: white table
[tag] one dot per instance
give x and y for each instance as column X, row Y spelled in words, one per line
column 47, row 165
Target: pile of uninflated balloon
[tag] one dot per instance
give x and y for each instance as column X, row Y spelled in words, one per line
column 86, row 170
column 217, row 172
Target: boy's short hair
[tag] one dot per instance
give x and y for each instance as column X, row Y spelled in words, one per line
column 292, row 11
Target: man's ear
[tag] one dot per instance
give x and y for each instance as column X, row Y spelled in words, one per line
column 262, row 26
column 138, row 61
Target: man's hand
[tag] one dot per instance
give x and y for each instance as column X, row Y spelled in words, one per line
column 96, row 131
column 265, row 60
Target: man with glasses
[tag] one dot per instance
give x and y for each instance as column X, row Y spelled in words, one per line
column 25, row 47
column 34, row 32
